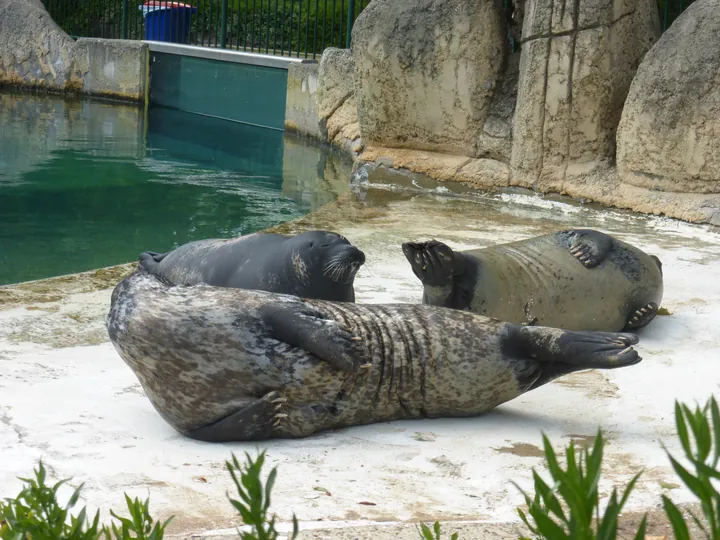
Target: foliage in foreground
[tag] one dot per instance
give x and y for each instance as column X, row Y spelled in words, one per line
column 578, row 515
column 566, row 508
column 255, row 498
column 37, row 514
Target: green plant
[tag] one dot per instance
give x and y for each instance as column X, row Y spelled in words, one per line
column 141, row 526
column 570, row 508
column 255, row 498
column 701, row 445
column 434, row 534
column 36, row 514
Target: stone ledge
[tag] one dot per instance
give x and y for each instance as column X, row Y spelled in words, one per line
column 597, row 183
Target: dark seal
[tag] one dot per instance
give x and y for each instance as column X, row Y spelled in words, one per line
column 577, row 279
column 222, row 364
column 315, row 264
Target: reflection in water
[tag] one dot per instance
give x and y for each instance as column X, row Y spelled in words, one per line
column 83, row 186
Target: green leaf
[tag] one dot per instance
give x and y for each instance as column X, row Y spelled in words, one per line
column 681, row 428
column 677, row 522
column 715, row 416
column 547, row 526
column 425, row 532
column 628, row 489
column 689, row 480
column 641, row 529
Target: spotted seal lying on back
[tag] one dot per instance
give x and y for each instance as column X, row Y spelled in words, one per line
column 314, row 264
column 221, row 364
column 577, row 279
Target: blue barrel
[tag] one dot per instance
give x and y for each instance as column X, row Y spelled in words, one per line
column 167, row 21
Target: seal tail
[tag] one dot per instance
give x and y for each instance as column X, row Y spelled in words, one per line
column 149, row 260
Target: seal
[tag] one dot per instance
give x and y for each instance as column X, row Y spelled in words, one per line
column 222, row 364
column 314, row 264
column 578, row 279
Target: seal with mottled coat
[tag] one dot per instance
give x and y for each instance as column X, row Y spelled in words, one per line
column 314, row 264
column 222, row 364
column 578, row 279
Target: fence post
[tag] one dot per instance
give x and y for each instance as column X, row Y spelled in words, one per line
column 125, row 19
column 350, row 19
column 223, row 28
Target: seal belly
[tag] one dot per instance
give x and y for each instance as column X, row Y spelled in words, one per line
column 540, row 282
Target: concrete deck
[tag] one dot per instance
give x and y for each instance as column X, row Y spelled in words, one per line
column 66, row 396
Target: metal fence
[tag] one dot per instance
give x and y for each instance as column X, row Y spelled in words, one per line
column 282, row 27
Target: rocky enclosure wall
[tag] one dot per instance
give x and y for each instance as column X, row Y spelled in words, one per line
column 596, row 105
column 36, row 53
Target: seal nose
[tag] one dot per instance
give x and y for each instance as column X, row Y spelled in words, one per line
column 358, row 255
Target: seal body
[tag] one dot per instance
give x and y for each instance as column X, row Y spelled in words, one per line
column 223, row 364
column 315, row 264
column 577, row 279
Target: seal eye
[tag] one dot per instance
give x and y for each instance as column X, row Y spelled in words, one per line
column 325, row 245
column 312, row 244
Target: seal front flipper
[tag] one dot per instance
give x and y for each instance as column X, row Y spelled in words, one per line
column 588, row 246
column 302, row 326
column 432, row 262
column 253, row 422
column 643, row 316
column 435, row 265
column 149, row 260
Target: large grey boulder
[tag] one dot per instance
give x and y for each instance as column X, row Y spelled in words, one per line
column 34, row 51
column 575, row 71
column 669, row 135
column 426, row 71
column 335, row 98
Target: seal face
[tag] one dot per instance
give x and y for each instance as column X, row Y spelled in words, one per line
column 226, row 364
column 315, row 264
column 578, row 279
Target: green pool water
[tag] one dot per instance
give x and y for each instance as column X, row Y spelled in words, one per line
column 87, row 184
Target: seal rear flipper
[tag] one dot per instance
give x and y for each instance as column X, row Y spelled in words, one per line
column 579, row 349
column 253, row 422
column 149, row 260
column 300, row 325
column 588, row 246
column 643, row 316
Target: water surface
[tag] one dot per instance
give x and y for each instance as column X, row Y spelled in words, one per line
column 88, row 184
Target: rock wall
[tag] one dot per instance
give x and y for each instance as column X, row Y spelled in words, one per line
column 578, row 60
column 337, row 106
column 669, row 135
column 426, row 71
column 36, row 53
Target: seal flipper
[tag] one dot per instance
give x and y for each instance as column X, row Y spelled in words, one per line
column 149, row 260
column 643, row 316
column 588, row 246
column 300, row 325
column 560, row 352
column 253, row 422
column 434, row 264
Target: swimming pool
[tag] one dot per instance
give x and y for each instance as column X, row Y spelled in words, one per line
column 88, row 184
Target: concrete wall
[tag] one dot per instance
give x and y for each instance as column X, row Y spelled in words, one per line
column 112, row 67
column 301, row 112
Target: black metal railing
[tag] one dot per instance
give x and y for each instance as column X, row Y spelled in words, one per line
column 281, row 27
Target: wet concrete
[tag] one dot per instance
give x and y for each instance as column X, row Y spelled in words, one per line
column 67, row 396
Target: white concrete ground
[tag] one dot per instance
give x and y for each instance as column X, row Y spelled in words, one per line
column 67, row 397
